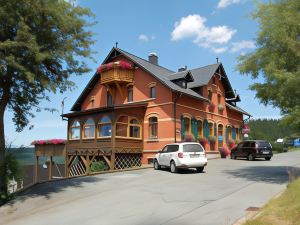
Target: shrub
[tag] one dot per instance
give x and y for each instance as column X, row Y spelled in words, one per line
column 231, row 144
column 224, row 151
column 98, row 166
column 277, row 147
column 189, row 138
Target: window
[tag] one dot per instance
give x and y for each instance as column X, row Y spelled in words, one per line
column 128, row 127
column 109, row 99
column 173, row 148
column 220, row 135
column 152, row 92
column 237, row 134
column 104, row 127
column 209, row 95
column 192, row 148
column 229, row 132
column 93, row 101
column 187, row 125
column 213, row 80
column 89, row 129
column 153, row 127
column 219, row 99
column 122, row 126
column 134, row 128
column 75, row 130
column 130, row 94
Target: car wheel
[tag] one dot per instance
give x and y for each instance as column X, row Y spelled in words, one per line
column 156, row 165
column 267, row 158
column 200, row 169
column 173, row 167
column 232, row 156
column 250, row 157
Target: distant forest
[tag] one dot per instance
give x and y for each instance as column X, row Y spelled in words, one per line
column 271, row 129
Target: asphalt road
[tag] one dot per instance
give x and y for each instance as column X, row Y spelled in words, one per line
column 220, row 195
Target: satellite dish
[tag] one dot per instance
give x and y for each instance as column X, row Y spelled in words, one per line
column 45, row 166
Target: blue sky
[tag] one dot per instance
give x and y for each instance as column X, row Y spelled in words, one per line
column 181, row 32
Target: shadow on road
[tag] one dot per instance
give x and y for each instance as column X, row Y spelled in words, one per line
column 269, row 174
column 48, row 188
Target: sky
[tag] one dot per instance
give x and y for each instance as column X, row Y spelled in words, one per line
column 181, row 32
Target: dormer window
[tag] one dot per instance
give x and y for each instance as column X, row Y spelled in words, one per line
column 181, row 83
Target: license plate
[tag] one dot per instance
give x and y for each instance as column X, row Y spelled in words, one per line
column 194, row 156
column 265, row 152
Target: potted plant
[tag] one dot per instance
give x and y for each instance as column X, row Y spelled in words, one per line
column 203, row 141
column 211, row 107
column 212, row 139
column 189, row 138
column 224, row 152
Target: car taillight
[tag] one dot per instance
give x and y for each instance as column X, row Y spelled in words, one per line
column 180, row 155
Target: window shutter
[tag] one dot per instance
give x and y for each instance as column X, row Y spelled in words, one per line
column 205, row 128
column 182, row 128
column 233, row 133
column 195, row 129
column 227, row 134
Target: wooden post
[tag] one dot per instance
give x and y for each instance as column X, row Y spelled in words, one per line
column 36, row 170
column 87, row 164
column 50, row 169
column 66, row 165
column 113, row 150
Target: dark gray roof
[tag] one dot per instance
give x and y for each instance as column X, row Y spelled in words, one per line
column 203, row 75
column 160, row 73
column 178, row 75
column 237, row 109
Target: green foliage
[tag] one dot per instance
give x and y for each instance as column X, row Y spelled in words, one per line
column 12, row 171
column 98, row 166
column 277, row 57
column 277, row 147
column 42, row 43
column 269, row 129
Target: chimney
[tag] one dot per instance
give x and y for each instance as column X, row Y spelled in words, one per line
column 152, row 58
column 182, row 69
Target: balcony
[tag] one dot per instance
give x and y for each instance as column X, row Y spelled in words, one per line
column 116, row 72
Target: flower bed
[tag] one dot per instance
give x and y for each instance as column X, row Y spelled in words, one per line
column 47, row 142
column 109, row 66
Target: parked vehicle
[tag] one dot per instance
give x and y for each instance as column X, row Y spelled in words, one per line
column 181, row 155
column 252, row 149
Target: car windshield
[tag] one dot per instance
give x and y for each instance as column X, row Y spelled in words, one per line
column 192, row 148
column 263, row 144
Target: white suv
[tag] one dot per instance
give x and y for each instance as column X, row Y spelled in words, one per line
column 181, row 155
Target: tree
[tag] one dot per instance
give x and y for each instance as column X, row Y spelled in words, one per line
column 277, row 57
column 42, row 43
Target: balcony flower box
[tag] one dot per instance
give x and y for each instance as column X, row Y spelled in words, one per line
column 211, row 107
column 221, row 107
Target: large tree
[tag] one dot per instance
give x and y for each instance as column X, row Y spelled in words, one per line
column 42, row 43
column 276, row 61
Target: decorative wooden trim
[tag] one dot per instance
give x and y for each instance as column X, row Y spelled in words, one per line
column 151, row 84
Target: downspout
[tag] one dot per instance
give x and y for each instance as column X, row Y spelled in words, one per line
column 174, row 115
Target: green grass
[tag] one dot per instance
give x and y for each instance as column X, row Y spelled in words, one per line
column 284, row 210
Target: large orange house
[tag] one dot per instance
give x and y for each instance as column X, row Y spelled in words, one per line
column 132, row 107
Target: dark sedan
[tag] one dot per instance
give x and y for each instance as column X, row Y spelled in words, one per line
column 252, row 149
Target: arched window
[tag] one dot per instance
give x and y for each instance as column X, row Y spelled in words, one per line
column 153, row 127
column 75, row 130
column 89, row 129
column 134, row 128
column 104, row 127
column 128, row 127
column 229, row 132
column 209, row 96
column 122, row 126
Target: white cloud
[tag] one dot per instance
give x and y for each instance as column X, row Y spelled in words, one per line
column 145, row 38
column 193, row 26
column 224, row 3
column 219, row 50
column 237, row 46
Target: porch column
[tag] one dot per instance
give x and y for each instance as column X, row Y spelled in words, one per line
column 36, row 169
column 113, row 150
column 50, row 168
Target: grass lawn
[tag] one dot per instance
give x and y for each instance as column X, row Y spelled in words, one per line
column 284, row 210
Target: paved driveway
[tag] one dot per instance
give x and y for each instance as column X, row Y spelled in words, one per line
column 218, row 196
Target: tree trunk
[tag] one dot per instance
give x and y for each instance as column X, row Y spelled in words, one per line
column 3, row 103
column 3, row 186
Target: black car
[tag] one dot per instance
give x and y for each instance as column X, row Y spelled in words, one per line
column 252, row 149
